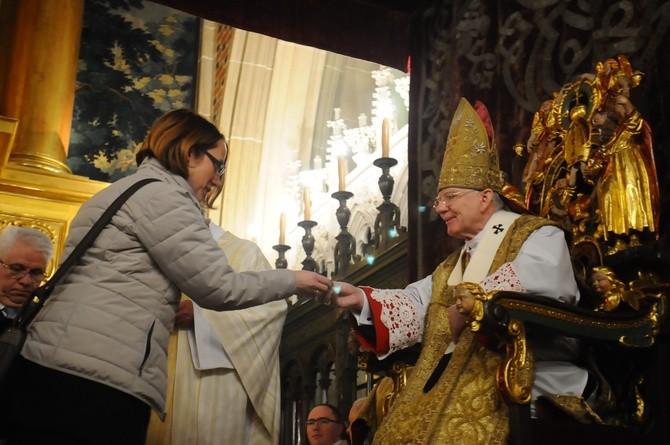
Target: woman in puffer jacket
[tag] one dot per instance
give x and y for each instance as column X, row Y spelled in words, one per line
column 94, row 363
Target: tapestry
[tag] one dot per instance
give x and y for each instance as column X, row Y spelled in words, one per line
column 137, row 61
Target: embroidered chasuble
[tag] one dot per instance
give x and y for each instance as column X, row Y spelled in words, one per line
column 464, row 406
column 236, row 399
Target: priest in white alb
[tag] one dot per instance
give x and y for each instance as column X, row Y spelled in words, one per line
column 223, row 382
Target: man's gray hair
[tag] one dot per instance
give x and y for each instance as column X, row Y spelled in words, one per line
column 10, row 235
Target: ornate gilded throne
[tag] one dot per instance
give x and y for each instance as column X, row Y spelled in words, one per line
column 591, row 170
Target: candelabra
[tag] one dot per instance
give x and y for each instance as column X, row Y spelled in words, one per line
column 281, row 262
column 387, row 223
column 308, row 244
column 345, row 248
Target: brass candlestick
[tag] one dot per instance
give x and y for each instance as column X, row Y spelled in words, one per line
column 281, row 262
column 308, row 244
column 345, row 248
column 387, row 223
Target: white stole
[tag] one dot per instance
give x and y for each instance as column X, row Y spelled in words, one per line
column 480, row 262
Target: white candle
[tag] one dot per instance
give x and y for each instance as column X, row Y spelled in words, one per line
column 282, row 227
column 385, row 138
column 342, row 172
column 307, row 202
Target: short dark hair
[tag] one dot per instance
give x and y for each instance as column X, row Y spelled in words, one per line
column 174, row 136
column 334, row 409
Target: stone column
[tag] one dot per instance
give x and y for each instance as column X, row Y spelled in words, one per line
column 39, row 48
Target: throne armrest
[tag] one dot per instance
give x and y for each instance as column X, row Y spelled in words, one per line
column 634, row 328
column 507, row 314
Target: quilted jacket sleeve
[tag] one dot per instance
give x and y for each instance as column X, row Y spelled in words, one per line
column 170, row 227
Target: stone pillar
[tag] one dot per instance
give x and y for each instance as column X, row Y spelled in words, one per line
column 39, row 48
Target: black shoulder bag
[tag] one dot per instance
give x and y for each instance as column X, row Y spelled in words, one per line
column 13, row 337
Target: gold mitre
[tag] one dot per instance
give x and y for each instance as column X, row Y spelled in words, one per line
column 470, row 161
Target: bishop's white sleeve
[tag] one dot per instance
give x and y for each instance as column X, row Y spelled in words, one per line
column 542, row 267
column 419, row 293
column 396, row 316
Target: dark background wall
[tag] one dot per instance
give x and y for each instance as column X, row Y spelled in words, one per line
column 513, row 56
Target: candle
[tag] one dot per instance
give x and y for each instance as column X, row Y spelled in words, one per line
column 385, row 138
column 307, row 202
column 282, row 228
column 341, row 171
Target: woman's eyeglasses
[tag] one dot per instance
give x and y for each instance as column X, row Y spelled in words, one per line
column 219, row 166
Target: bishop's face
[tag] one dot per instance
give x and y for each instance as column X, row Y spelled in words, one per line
column 462, row 210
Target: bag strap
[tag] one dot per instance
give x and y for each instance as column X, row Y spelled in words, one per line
column 31, row 306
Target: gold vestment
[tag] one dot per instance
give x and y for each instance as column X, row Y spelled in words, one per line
column 464, row 407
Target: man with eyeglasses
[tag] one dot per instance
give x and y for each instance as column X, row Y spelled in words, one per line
column 451, row 395
column 325, row 426
column 24, row 255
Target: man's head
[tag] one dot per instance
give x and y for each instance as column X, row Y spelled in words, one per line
column 471, row 186
column 325, row 425
column 24, row 255
column 466, row 211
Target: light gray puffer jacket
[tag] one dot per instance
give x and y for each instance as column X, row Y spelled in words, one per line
column 110, row 318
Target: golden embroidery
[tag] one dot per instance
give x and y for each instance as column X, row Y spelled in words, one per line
column 465, row 406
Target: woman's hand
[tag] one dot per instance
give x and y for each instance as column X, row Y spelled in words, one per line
column 311, row 284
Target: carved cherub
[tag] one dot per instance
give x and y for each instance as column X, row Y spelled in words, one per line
column 608, row 286
column 614, row 291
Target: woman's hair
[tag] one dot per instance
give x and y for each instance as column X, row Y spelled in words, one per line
column 213, row 195
column 10, row 235
column 174, row 136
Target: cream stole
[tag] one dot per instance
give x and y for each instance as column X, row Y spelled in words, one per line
column 480, row 262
